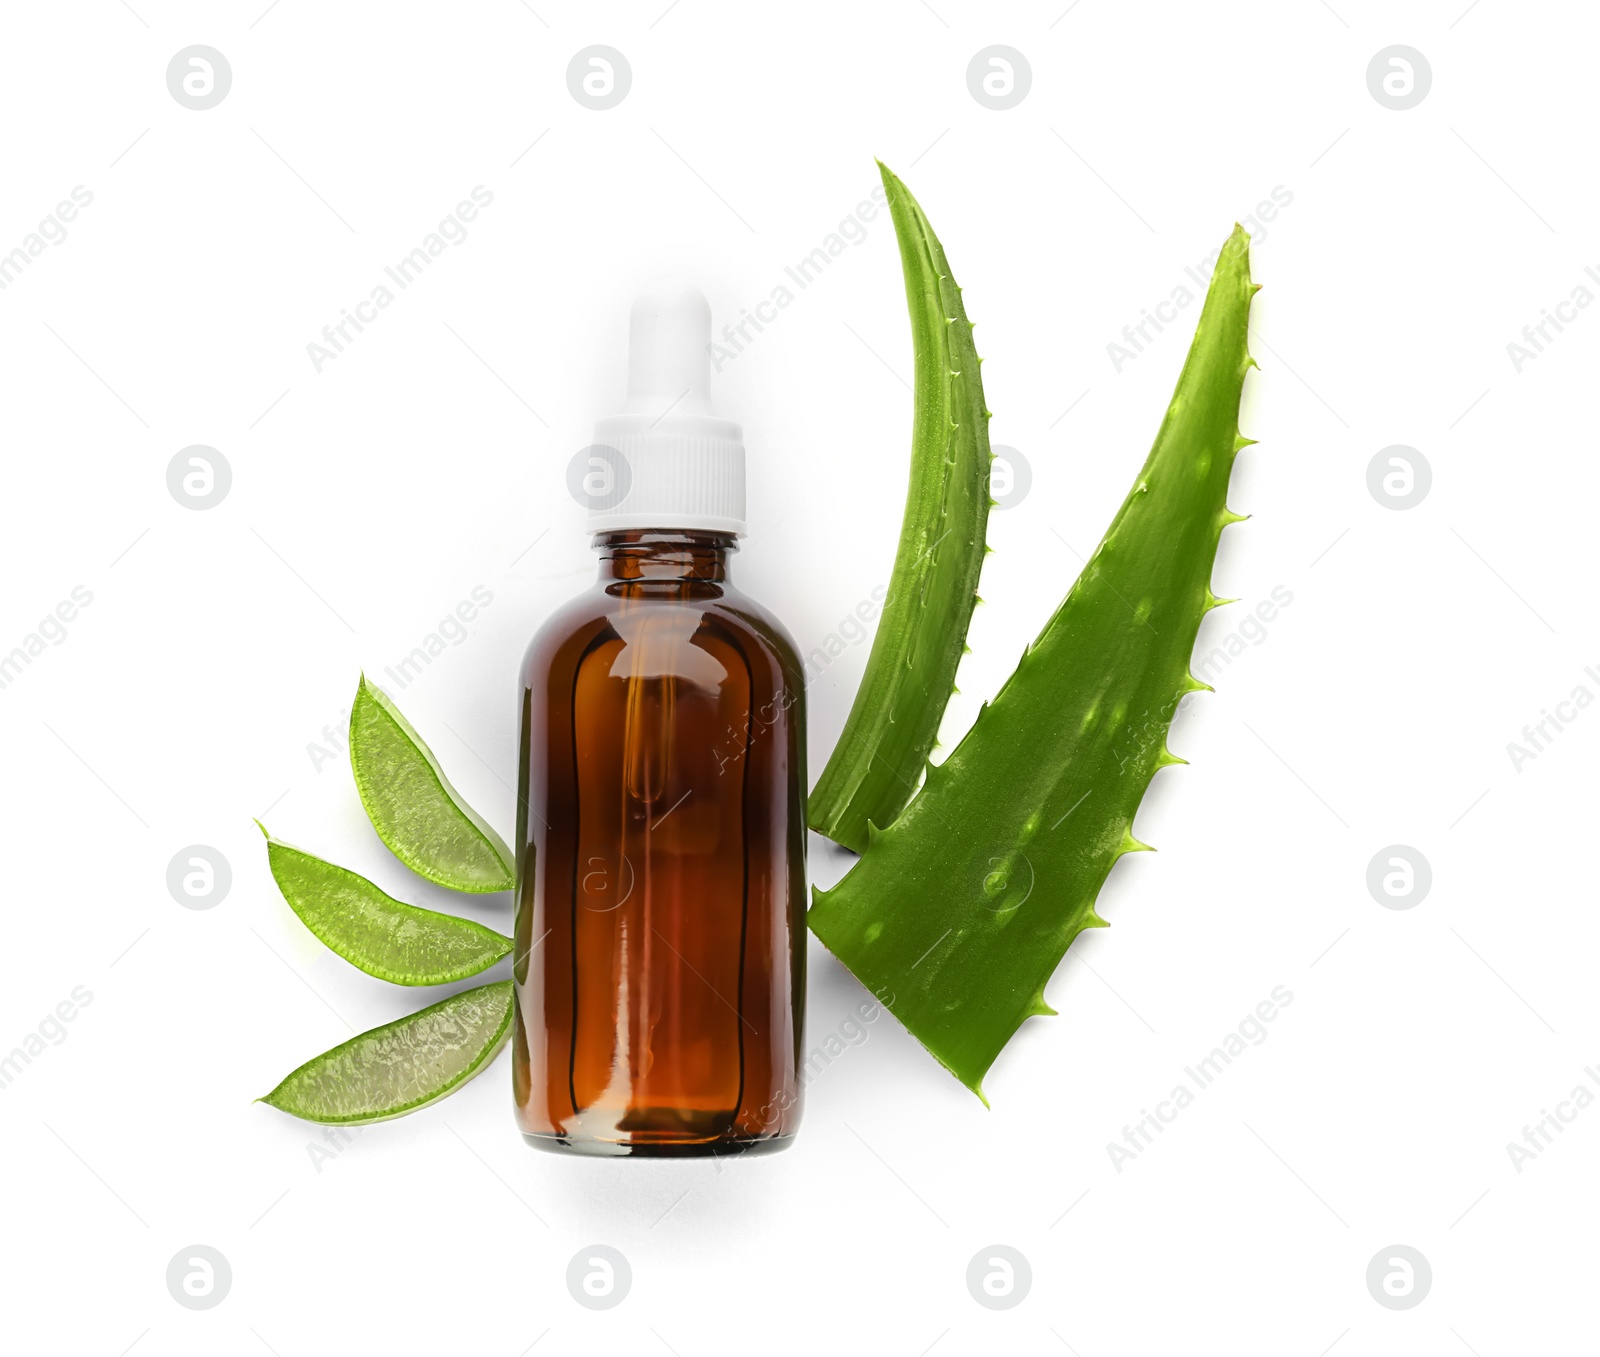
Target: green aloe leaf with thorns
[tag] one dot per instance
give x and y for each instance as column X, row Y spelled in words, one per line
column 960, row 911
column 965, row 899
column 933, row 587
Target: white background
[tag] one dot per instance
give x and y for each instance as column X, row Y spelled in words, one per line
column 429, row 458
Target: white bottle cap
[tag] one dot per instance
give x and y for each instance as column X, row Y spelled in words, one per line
column 679, row 466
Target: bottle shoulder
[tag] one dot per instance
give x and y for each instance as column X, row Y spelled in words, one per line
column 712, row 612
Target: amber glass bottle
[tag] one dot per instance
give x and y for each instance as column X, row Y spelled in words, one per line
column 660, row 916
column 660, row 944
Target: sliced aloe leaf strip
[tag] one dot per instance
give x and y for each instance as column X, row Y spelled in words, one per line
column 933, row 587
column 403, row 944
column 419, row 816
column 402, row 1066
column 961, row 910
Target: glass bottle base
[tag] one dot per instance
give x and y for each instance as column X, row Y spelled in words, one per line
column 658, row 1148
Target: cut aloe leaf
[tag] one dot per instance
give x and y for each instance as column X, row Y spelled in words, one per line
column 401, row 1066
column 963, row 908
column 419, row 816
column 373, row 931
column 933, row 587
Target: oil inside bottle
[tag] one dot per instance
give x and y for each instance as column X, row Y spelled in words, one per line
column 663, row 882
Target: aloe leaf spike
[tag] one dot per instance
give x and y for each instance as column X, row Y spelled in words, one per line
column 962, row 909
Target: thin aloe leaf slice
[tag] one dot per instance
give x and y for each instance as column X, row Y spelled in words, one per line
column 933, row 587
column 374, row 932
column 419, row 816
column 402, row 1066
column 963, row 908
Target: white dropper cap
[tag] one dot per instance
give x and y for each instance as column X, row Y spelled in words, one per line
column 679, row 466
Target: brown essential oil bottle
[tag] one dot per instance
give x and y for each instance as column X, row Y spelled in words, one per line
column 660, row 935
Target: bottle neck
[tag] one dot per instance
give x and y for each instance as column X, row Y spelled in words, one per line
column 664, row 554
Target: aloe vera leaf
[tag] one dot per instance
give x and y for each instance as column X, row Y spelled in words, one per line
column 376, row 933
column 419, row 816
column 933, row 587
column 402, row 1066
column 960, row 911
